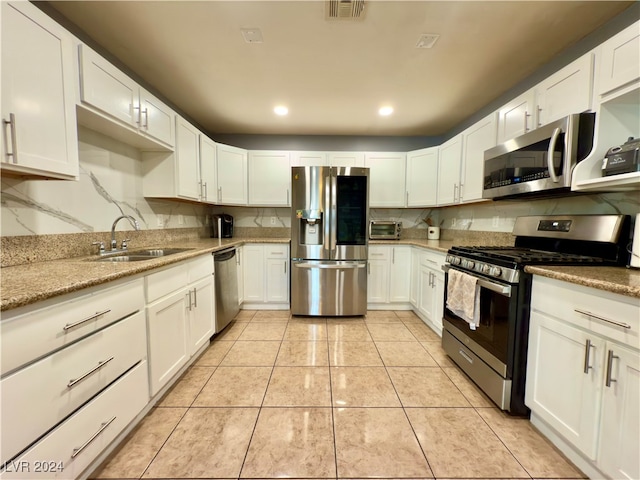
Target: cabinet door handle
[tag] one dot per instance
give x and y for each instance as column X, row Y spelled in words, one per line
column 526, row 120
column 206, row 191
column 101, row 364
column 587, row 355
column 219, row 194
column 285, row 267
column 602, row 319
column 14, row 139
column 393, row 255
column 539, row 116
column 407, row 203
column 455, row 191
column 610, row 358
column 69, row 326
column 103, row 426
column 190, row 301
column 195, row 298
column 146, row 119
column 139, row 119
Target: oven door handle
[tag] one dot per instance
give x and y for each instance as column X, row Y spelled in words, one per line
column 504, row 290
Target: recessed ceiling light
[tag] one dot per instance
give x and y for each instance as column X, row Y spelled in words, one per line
column 281, row 110
column 385, row 111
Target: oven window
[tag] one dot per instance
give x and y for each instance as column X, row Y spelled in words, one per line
column 493, row 332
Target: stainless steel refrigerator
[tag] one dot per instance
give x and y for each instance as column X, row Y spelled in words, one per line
column 330, row 214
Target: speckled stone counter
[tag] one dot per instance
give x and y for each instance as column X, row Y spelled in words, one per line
column 29, row 283
column 621, row 280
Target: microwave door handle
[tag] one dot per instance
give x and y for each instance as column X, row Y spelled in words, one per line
column 550, row 152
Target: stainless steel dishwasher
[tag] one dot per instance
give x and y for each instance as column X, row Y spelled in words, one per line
column 226, row 282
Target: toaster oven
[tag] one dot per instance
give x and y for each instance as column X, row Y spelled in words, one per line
column 384, row 230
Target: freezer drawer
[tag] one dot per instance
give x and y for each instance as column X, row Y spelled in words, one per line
column 328, row 288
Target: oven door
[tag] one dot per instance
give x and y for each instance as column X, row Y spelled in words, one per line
column 492, row 339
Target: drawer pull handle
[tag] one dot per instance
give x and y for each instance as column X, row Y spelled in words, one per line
column 587, row 356
column 90, row 372
column 69, row 326
column 610, row 358
column 592, row 315
column 465, row 356
column 103, row 426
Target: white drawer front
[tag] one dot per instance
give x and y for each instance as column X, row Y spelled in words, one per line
column 276, row 251
column 29, row 336
column 201, row 267
column 166, row 281
column 37, row 397
column 431, row 259
column 605, row 313
column 121, row 402
column 378, row 253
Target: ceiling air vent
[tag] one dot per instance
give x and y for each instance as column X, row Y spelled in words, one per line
column 344, row 9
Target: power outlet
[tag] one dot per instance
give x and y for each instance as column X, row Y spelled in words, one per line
column 180, row 219
column 160, row 220
column 273, row 220
column 454, row 221
column 496, row 221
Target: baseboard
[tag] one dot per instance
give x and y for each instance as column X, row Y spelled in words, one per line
column 265, row 306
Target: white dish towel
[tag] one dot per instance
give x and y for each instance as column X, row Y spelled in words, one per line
column 463, row 297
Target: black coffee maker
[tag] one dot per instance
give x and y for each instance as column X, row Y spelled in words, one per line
column 221, row 225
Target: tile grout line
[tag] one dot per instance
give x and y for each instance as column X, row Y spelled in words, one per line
column 333, row 416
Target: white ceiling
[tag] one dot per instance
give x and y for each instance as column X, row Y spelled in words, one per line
column 334, row 75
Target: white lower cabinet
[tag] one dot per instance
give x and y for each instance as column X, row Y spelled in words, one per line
column 239, row 265
column 429, row 291
column 584, row 343
column 180, row 317
column 82, row 383
column 70, row 448
column 389, row 278
column 266, row 276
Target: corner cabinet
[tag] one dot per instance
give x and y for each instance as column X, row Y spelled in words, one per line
column 269, row 178
column 476, row 139
column 232, row 175
column 584, row 343
column 39, row 132
column 449, row 171
column 386, row 179
column 422, row 177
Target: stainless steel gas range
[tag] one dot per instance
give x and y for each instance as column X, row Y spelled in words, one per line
column 492, row 346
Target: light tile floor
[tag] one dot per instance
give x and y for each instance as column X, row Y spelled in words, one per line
column 369, row 397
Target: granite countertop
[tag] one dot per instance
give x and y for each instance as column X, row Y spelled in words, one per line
column 621, row 280
column 29, row 283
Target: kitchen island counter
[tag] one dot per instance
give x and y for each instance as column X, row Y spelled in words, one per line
column 29, row 283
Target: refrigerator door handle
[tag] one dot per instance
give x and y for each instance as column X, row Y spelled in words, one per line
column 332, row 266
column 334, row 211
column 326, row 243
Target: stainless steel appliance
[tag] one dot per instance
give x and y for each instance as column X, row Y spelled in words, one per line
column 494, row 354
column 330, row 216
column 226, row 284
column 540, row 161
column 221, row 225
column 384, row 230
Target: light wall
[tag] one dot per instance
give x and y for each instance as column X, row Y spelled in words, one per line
column 110, row 185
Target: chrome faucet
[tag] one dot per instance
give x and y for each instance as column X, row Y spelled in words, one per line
column 132, row 221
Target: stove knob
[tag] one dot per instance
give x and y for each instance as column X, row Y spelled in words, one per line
column 455, row 260
column 495, row 271
column 486, row 269
column 470, row 264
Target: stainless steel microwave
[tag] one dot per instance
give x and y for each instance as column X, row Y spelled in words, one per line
column 540, row 161
column 384, row 230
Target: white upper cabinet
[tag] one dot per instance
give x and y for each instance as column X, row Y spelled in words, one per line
column 232, row 175
column 449, row 171
column 116, row 105
column 516, row 117
column 269, row 178
column 620, row 60
column 188, row 160
column 309, row 159
column 38, row 101
column 208, row 171
column 386, row 178
column 346, row 159
column 566, row 92
column 422, row 177
column 156, row 119
column 476, row 139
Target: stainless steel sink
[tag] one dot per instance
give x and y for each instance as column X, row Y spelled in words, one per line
column 140, row 255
